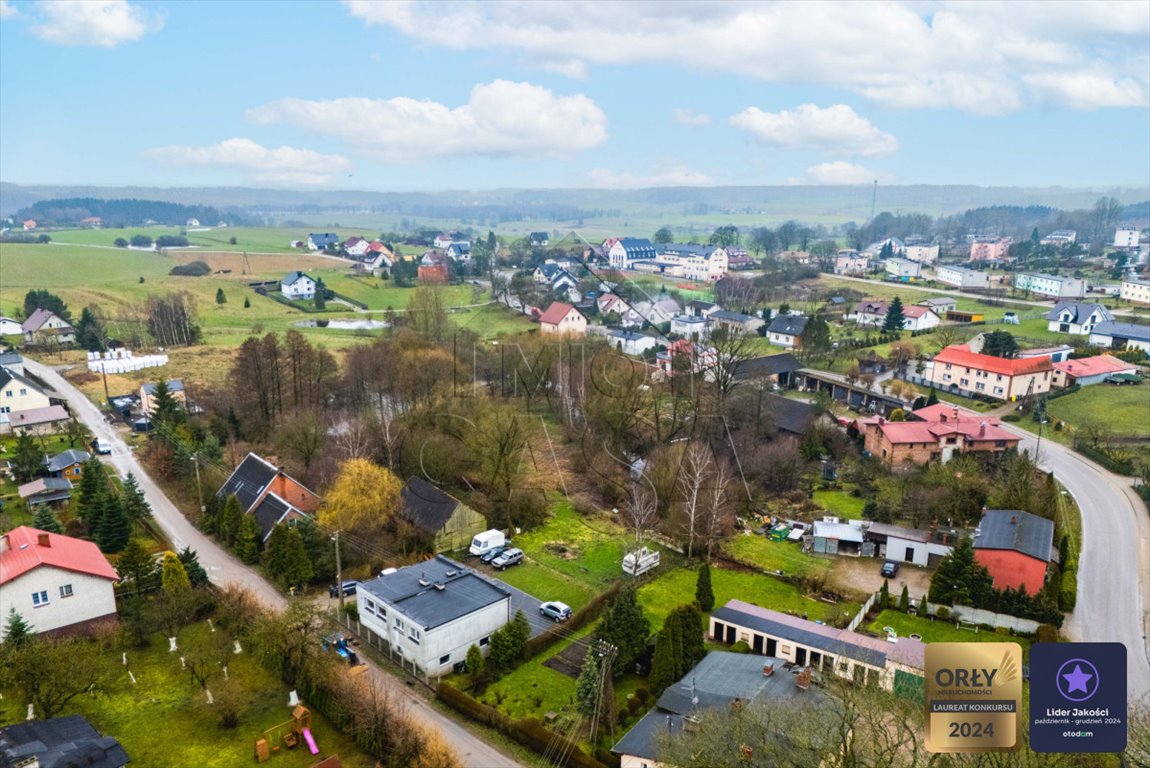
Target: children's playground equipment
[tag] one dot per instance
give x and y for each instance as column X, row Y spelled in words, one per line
column 291, row 731
column 339, row 644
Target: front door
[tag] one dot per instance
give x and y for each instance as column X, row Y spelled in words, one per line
column 909, row 556
column 757, row 644
column 801, row 657
column 718, row 635
column 772, row 646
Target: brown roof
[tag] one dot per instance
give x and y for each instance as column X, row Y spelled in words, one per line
column 555, row 313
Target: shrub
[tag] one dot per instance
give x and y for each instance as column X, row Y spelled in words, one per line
column 642, row 695
column 193, row 269
column 942, row 612
column 1012, row 417
column 1047, row 633
column 1068, row 593
column 740, row 647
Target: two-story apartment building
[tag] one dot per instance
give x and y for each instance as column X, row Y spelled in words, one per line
column 961, row 277
column 939, row 438
column 923, row 254
column 956, row 369
column 851, row 263
column 1135, row 290
column 902, row 269
column 703, row 263
column 430, row 613
column 55, row 582
column 1076, row 318
column 624, row 252
column 989, row 249
column 1054, row 286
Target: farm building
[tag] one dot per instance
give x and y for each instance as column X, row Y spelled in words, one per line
column 439, row 515
column 911, row 545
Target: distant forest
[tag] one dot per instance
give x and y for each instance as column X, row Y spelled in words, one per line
column 122, row 213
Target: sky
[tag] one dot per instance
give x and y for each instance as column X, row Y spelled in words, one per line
column 478, row 95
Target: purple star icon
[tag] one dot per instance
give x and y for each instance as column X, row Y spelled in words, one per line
column 1077, row 679
column 1079, row 684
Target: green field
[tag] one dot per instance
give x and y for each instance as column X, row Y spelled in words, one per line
column 162, row 718
column 250, row 239
column 938, row 631
column 786, row 556
column 841, row 504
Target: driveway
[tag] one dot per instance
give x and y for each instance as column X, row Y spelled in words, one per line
column 1114, row 565
column 223, row 569
column 863, row 574
column 521, row 601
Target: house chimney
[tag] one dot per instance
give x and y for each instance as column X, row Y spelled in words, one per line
column 982, row 429
column 1014, row 519
column 42, row 539
column 956, row 413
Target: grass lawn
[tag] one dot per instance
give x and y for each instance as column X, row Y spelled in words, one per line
column 841, row 503
column 677, row 587
column 163, row 720
column 938, row 631
column 1119, row 410
column 587, row 549
column 786, row 556
column 965, row 402
column 546, row 583
column 258, row 239
column 532, row 690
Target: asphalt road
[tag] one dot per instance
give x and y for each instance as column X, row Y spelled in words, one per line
column 223, row 569
column 1114, row 565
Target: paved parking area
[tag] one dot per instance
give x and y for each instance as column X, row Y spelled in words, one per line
column 521, row 601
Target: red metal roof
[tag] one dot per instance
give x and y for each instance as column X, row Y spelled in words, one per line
column 916, row 312
column 948, row 412
column 903, row 432
column 21, row 551
column 555, row 313
column 1094, row 366
column 960, row 354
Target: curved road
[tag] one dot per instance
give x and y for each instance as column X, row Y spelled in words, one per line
column 1114, row 565
column 222, row 568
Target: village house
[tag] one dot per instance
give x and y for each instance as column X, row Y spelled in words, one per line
column 539, row 239
column 657, row 311
column 432, row 612
column 444, row 519
column 45, row 490
column 298, row 285
column 631, row 343
column 1135, row 290
column 963, row 278
column 68, row 465
column 13, row 361
column 55, row 582
column 736, row 322
column 9, row 327
column 691, row 327
column 787, row 331
column 989, row 249
column 1075, row 318
column 268, row 493
column 1085, row 371
column 851, row 263
column 1114, row 335
column 355, row 246
column 44, row 327
column 918, row 318
column 60, row 742
column 958, row 370
column 18, row 394
column 37, row 421
column 563, row 319
column 869, row 313
column 700, row 308
column 321, row 241
column 148, row 395
column 903, row 269
column 911, row 545
column 1054, row 286
column 897, row 666
column 933, row 436
column 609, row 304
column 1016, row 547
column 940, row 306
column 923, row 254
column 684, row 357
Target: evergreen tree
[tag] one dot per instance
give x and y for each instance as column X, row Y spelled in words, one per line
column 173, row 577
column 166, row 409
column 704, row 594
column 694, row 635
column 895, row 317
column 276, row 552
column 1000, row 344
column 230, row 518
column 816, row 336
column 474, row 661
column 90, row 332
column 884, row 595
column 672, row 628
column 923, row 607
column 662, row 664
column 27, row 459
column 519, row 631
column 197, row 576
column 45, row 520
column 17, row 632
column 247, row 303
column 932, row 398
column 587, row 684
column 136, row 507
column 93, row 489
column 220, row 297
column 247, row 544
column 959, row 579
column 320, row 297
column 904, row 600
column 136, row 566
column 625, row 627
column 115, row 530
column 298, row 570
column 502, row 654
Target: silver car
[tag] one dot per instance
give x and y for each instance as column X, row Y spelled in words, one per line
column 508, row 558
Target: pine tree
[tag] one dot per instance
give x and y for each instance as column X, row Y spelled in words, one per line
column 17, row 632
column 694, row 635
column 923, row 607
column 115, row 530
column 884, row 596
column 298, row 569
column 625, row 627
column 166, row 409
column 895, row 317
column 93, row 489
column 474, row 661
column 662, row 665
column 230, row 519
column 320, row 297
column 27, row 459
column 220, row 297
column 247, row 303
column 520, row 632
column 197, row 576
column 173, row 577
column 247, row 544
column 136, row 507
column 136, row 566
column 45, row 520
column 932, row 398
column 672, row 628
column 587, row 684
column 904, row 600
column 704, row 594
column 275, row 554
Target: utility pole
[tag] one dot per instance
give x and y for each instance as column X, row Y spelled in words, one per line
column 195, row 459
column 338, row 571
column 606, row 653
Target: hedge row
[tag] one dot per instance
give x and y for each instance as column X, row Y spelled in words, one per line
column 1068, row 591
column 529, row 732
column 1118, row 466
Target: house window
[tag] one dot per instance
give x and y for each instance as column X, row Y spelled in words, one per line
column 483, row 641
column 8, row 393
column 23, row 391
column 39, row 598
column 445, row 659
column 66, row 590
column 5, row 409
column 399, row 624
column 413, row 635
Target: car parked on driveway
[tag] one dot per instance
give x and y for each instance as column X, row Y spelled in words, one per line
column 348, row 589
column 491, row 554
column 508, row 558
column 890, row 569
column 555, row 610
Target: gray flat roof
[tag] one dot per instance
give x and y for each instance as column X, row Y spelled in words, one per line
column 413, row 591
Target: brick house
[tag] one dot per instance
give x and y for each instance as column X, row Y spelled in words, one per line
column 264, row 490
column 933, row 437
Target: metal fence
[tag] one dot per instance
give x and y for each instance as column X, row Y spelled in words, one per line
column 858, row 619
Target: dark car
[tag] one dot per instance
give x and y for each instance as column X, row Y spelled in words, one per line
column 890, row 569
column 348, row 589
column 508, row 558
column 492, row 553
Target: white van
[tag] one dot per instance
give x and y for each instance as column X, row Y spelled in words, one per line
column 486, row 541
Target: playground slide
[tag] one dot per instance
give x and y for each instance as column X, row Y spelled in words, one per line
column 310, row 741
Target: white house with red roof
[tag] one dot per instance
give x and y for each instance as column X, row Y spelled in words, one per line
column 958, row 370
column 54, row 581
column 563, row 318
column 916, row 318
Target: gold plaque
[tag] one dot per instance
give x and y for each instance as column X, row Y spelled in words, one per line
column 973, row 696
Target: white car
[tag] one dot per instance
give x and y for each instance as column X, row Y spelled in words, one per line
column 555, row 610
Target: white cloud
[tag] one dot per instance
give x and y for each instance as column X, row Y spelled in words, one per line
column 690, row 117
column 977, row 57
column 839, row 172
column 667, row 177
column 500, row 118
column 104, row 23
column 1086, row 91
column 283, row 165
column 837, row 129
column 6, row 10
